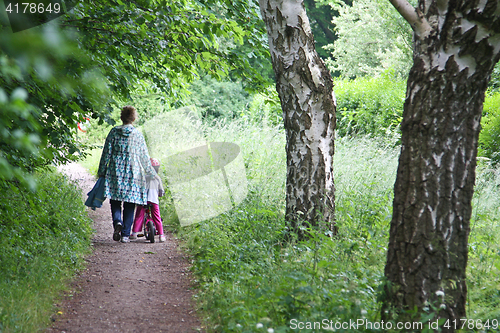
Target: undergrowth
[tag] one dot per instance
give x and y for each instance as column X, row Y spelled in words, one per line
column 483, row 269
column 44, row 235
column 250, row 280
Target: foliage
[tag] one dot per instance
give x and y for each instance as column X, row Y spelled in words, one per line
column 47, row 85
column 265, row 108
column 165, row 42
column 484, row 245
column 44, row 236
column 148, row 106
column 357, row 52
column 489, row 137
column 370, row 106
column 216, row 99
column 320, row 16
column 246, row 274
column 51, row 79
column 494, row 84
column 374, row 106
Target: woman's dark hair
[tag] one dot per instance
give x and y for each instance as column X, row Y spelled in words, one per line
column 129, row 114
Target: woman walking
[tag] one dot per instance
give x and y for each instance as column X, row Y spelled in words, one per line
column 124, row 164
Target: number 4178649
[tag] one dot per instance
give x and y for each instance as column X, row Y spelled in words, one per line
column 33, row 8
column 471, row 324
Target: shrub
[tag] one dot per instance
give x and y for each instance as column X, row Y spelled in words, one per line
column 370, row 106
column 216, row 99
column 374, row 107
column 265, row 108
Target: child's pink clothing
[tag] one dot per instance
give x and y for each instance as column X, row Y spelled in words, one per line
column 155, row 214
column 155, row 190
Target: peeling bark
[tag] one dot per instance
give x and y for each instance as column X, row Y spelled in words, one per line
column 432, row 206
column 305, row 88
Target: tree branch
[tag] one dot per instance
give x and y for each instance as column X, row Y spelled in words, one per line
column 416, row 19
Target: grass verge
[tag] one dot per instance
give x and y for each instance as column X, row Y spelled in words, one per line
column 44, row 236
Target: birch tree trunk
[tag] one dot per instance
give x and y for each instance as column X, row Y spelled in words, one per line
column 305, row 88
column 456, row 45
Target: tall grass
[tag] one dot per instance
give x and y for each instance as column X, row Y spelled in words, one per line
column 250, row 280
column 249, row 277
column 261, row 148
column 483, row 270
column 44, row 236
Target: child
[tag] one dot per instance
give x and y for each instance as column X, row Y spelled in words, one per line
column 155, row 190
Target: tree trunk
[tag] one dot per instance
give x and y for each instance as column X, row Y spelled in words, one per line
column 305, row 88
column 457, row 44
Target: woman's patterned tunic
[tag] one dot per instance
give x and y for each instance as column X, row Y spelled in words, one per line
column 125, row 163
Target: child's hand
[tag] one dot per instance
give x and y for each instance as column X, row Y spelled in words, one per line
column 161, row 193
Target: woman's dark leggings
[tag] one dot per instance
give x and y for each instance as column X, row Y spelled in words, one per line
column 128, row 215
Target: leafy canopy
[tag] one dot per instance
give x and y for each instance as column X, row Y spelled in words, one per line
column 372, row 37
column 47, row 85
column 55, row 75
column 166, row 43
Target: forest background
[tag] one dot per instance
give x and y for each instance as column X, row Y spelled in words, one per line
column 248, row 277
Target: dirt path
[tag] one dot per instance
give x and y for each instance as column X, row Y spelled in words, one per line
column 127, row 287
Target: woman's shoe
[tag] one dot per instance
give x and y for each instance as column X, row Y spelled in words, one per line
column 117, row 232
